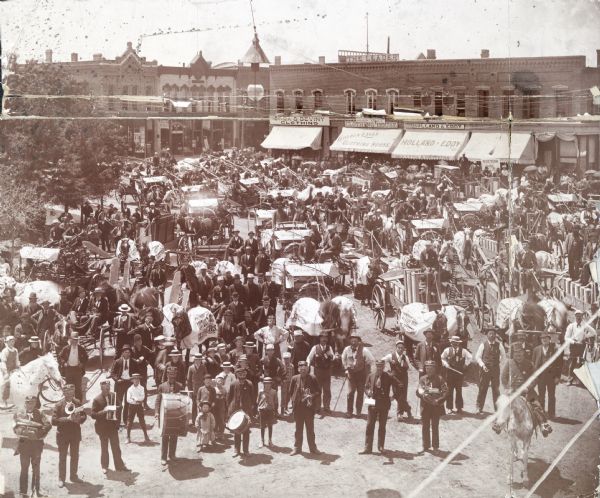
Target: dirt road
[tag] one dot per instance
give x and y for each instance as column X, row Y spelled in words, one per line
column 480, row 470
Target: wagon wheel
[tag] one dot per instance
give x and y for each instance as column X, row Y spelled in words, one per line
column 470, row 221
column 431, row 235
column 50, row 391
column 478, row 308
column 396, row 244
column 378, row 306
column 557, row 293
column 316, row 290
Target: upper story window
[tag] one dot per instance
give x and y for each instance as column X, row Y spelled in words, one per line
column 417, row 99
column 392, row 97
column 483, row 103
column 350, row 98
column 298, row 100
column 371, row 95
column 562, row 102
column 507, row 102
column 279, row 101
column 461, row 104
column 318, row 99
column 531, row 103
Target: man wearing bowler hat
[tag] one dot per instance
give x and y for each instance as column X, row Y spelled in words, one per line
column 72, row 360
column 432, row 391
column 378, row 387
column 195, row 380
column 399, row 362
column 304, row 389
column 550, row 377
column 455, row 359
column 120, row 372
column 357, row 362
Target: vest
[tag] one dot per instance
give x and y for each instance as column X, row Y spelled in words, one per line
column 398, row 370
column 457, row 361
column 359, row 360
column 491, row 355
column 322, row 361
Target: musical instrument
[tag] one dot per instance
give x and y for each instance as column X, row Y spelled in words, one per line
column 173, row 415
column 28, row 429
column 239, row 422
column 71, row 409
column 111, row 414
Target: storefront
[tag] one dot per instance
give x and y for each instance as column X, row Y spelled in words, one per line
column 518, row 148
column 367, row 136
column 299, row 134
column 430, row 144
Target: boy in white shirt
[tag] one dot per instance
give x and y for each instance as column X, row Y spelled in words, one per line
column 135, row 399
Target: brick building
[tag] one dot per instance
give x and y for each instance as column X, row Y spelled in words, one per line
column 187, row 108
column 470, row 97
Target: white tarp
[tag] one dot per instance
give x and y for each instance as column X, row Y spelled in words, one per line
column 223, row 267
column 305, row 315
column 291, row 270
column 416, row 318
column 428, row 224
column 156, row 249
column 39, row 253
column 44, row 289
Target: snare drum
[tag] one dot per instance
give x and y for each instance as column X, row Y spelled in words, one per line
column 239, row 422
column 173, row 415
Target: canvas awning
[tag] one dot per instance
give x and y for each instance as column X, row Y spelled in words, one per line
column 293, row 138
column 495, row 146
column 369, row 141
column 430, row 145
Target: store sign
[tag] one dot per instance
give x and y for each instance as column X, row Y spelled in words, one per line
column 353, row 56
column 300, row 120
column 434, row 126
column 491, row 164
column 370, row 123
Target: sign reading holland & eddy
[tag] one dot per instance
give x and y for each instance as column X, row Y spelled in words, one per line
column 300, row 120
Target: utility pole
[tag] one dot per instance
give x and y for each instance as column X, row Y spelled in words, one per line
column 367, row 17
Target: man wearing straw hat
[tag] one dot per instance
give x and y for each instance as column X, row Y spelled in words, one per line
column 32, row 352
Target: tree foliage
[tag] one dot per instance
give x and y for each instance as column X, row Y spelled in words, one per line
column 65, row 159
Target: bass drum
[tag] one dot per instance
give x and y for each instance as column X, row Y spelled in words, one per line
column 173, row 415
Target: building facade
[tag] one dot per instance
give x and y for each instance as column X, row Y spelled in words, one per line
column 188, row 108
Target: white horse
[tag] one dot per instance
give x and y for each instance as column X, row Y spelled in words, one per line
column 30, row 380
column 516, row 418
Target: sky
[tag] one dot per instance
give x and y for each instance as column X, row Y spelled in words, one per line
column 298, row 30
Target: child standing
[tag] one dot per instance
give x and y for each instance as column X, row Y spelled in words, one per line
column 267, row 410
column 220, row 407
column 205, row 423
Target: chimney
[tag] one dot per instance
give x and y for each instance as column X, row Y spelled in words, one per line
column 278, row 60
column 48, row 56
column 97, row 57
column 74, row 57
column 129, row 45
column 431, row 53
column 485, row 53
column 321, row 59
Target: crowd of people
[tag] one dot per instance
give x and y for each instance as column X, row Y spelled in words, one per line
column 261, row 368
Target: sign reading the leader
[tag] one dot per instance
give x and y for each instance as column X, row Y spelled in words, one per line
column 300, row 120
column 435, row 126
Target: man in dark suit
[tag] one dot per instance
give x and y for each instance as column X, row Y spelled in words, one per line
column 252, row 292
column 236, row 307
column 33, row 352
column 100, row 308
column 168, row 444
column 304, row 390
column 241, row 397
column 68, row 434
column 426, row 351
column 432, row 391
column 247, row 261
column 377, row 387
column 121, row 371
column 30, row 447
column 107, row 427
column 81, row 303
column 72, row 360
column 271, row 289
column 238, row 287
column 548, row 378
column 260, row 315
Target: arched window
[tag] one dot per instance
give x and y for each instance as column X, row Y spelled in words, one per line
column 226, row 99
column 184, row 92
column 279, row 101
column 318, row 98
column 195, row 92
column 350, row 98
column 298, row 100
column 393, row 95
column 371, row 98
